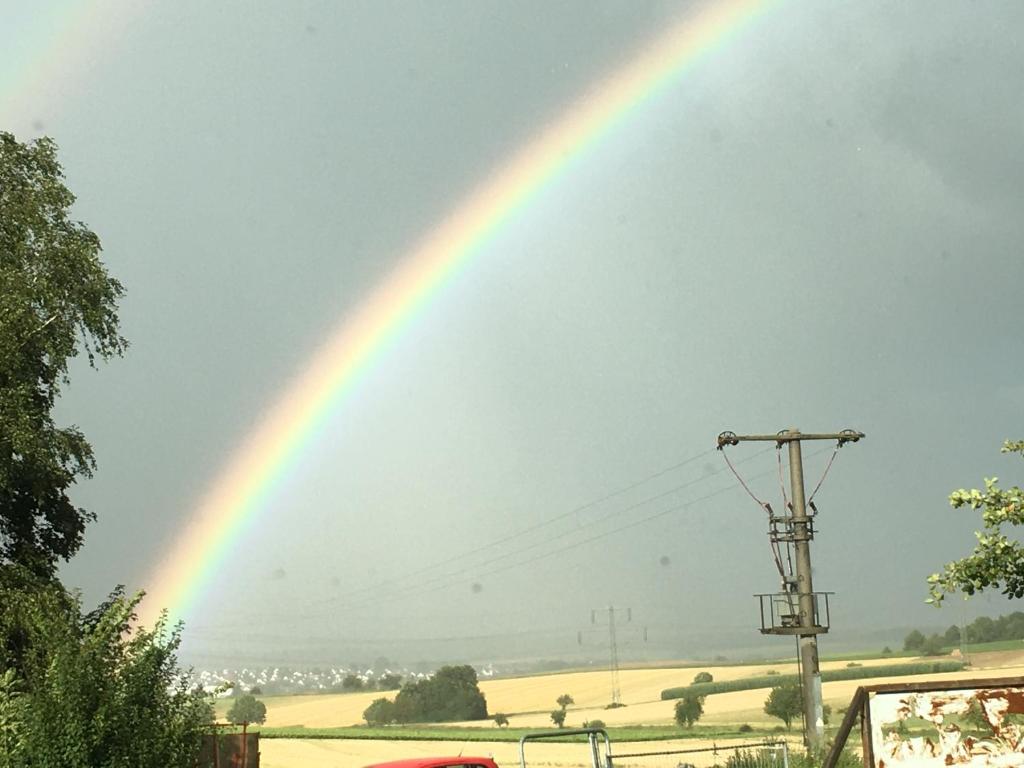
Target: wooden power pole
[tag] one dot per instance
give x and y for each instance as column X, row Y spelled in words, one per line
column 807, row 624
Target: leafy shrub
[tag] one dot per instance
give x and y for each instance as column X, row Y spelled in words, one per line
column 594, row 724
column 854, row 664
column 91, row 689
column 746, row 728
column 703, row 677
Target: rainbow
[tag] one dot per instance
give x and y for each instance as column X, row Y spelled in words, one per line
column 267, row 456
column 55, row 53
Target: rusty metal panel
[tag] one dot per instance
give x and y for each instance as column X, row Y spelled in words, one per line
column 982, row 726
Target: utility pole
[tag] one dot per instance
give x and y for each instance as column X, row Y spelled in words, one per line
column 799, row 530
column 613, row 647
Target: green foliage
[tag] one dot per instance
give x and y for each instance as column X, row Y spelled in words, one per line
column 381, row 712
column 247, row 709
column 689, row 710
column 952, row 635
column 828, row 675
column 13, row 722
column 56, row 299
column 594, row 724
column 761, row 758
column 500, row 719
column 933, row 646
column 452, row 694
column 746, row 728
column 351, row 683
column 913, row 641
column 784, row 702
column 91, row 691
column 564, row 700
column 887, row 651
column 389, row 682
column 997, row 560
column 703, row 677
column 558, row 717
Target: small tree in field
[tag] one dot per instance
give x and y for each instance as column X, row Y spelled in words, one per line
column 247, row 709
column 784, row 702
column 703, row 677
column 380, row 712
column 689, row 710
column 913, row 641
column 558, row 717
column 564, row 700
column 500, row 719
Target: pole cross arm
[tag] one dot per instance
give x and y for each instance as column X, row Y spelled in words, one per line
column 788, row 436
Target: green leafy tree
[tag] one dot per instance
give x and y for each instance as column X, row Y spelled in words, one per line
column 594, row 724
column 913, row 641
column 933, row 646
column 784, row 702
column 500, row 719
column 558, row 717
column 56, row 299
column 451, row 694
column 351, row 683
column 247, row 709
column 997, row 560
column 564, row 700
column 952, row 635
column 380, row 712
column 689, row 710
column 92, row 689
column 389, row 682
column 703, row 677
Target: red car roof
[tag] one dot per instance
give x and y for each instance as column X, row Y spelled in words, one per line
column 437, row 762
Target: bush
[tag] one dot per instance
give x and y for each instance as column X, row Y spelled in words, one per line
column 92, row 689
column 772, row 672
column 500, row 719
column 594, row 724
column 746, row 728
column 558, row 717
column 703, row 677
column 853, row 664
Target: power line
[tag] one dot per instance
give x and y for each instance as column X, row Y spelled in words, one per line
column 544, row 555
column 396, row 580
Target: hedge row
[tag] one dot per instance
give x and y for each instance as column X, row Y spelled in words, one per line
column 846, row 673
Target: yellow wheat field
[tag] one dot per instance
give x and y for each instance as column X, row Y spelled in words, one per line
column 528, row 702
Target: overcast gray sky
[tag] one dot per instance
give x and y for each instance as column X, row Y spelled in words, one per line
column 818, row 225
